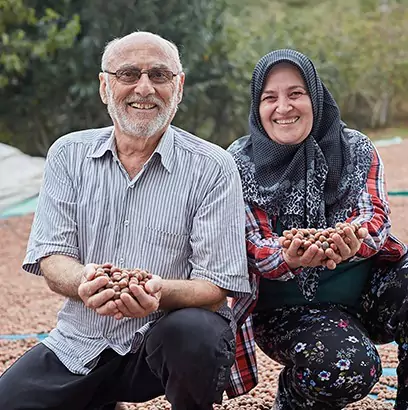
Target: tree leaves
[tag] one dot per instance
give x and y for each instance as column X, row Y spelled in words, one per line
column 50, row 56
column 18, row 47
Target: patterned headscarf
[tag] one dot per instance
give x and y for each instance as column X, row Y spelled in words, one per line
column 315, row 183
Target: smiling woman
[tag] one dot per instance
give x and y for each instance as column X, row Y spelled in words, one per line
column 285, row 107
column 329, row 279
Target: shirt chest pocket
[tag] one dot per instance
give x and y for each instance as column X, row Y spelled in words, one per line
column 160, row 238
column 164, row 251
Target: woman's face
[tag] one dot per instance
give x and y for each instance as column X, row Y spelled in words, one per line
column 285, row 107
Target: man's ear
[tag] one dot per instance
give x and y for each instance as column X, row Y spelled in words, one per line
column 181, row 87
column 102, row 88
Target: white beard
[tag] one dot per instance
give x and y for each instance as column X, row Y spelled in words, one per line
column 142, row 128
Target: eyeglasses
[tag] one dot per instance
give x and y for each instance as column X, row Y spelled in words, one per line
column 131, row 75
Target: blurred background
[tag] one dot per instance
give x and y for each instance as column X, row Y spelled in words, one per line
column 50, row 55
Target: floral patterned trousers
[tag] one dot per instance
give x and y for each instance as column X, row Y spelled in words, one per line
column 329, row 350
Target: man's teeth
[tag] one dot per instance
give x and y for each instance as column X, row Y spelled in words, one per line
column 143, row 106
column 291, row 121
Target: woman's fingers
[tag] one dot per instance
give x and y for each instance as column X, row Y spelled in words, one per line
column 351, row 240
column 343, row 248
column 293, row 249
column 350, row 244
column 312, row 257
column 332, row 255
column 363, row 233
column 330, row 264
column 290, row 255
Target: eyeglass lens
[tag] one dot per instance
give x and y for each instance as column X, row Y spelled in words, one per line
column 132, row 75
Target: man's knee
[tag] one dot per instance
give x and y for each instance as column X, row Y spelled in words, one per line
column 192, row 333
column 192, row 350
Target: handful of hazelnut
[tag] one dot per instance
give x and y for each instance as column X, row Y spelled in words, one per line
column 121, row 279
column 320, row 237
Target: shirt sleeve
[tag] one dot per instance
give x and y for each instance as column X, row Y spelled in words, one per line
column 218, row 237
column 373, row 211
column 265, row 256
column 54, row 229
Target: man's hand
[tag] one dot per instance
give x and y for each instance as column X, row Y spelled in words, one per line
column 347, row 246
column 88, row 291
column 145, row 299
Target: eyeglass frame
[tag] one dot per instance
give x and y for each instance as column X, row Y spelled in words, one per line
column 143, row 71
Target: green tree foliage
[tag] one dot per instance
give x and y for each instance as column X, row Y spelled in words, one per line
column 357, row 47
column 25, row 37
column 359, row 54
column 49, row 69
column 61, row 94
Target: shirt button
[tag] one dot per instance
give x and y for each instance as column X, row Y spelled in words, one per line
column 121, row 261
column 131, row 185
column 126, row 223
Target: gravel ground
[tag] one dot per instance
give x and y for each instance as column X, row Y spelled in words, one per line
column 28, row 306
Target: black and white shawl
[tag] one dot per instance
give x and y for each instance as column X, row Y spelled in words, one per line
column 312, row 184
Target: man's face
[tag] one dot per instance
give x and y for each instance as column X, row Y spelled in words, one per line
column 143, row 109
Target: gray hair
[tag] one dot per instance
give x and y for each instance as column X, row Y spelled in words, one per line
column 173, row 50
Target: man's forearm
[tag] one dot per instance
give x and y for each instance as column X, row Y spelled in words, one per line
column 177, row 294
column 63, row 274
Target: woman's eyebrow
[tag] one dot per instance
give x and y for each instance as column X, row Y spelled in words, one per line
column 292, row 87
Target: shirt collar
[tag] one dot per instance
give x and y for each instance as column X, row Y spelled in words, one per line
column 108, row 144
column 165, row 148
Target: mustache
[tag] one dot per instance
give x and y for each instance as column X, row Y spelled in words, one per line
column 138, row 100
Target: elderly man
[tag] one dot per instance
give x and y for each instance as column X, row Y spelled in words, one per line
column 141, row 194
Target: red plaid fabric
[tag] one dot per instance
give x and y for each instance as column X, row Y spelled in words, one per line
column 265, row 259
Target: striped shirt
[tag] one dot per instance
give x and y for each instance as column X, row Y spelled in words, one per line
column 181, row 217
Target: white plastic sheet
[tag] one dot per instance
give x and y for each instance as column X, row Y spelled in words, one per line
column 20, row 176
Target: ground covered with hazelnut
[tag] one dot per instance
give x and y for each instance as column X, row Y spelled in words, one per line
column 29, row 308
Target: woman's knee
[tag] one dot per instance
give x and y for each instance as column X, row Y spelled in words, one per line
column 347, row 376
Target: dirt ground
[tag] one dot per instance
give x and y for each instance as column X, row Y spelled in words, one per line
column 29, row 307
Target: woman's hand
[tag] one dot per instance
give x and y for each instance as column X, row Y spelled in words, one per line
column 348, row 246
column 296, row 257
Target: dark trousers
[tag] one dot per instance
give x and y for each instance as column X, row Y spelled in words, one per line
column 329, row 351
column 186, row 355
